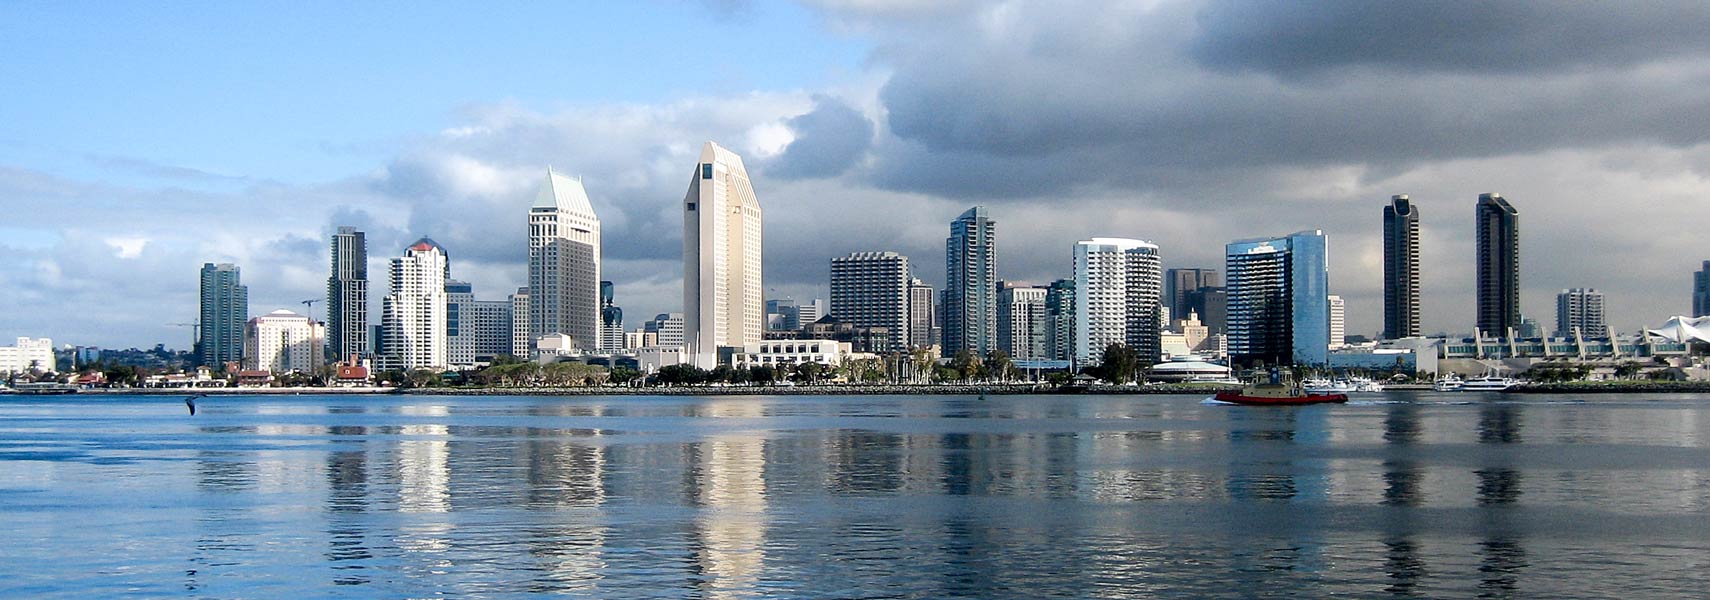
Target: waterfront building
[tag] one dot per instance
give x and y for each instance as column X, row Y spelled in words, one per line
column 667, row 329
column 224, row 311
column 1338, row 328
column 519, row 324
column 1194, row 333
column 922, row 317
column 1178, row 283
column 870, row 289
column 1701, row 291
column 347, row 295
column 1400, row 268
column 476, row 330
column 1118, row 293
column 283, row 342
column 789, row 353
column 722, row 280
column 1278, row 299
column 1498, row 265
column 26, row 354
column 413, row 316
column 1021, row 321
column 970, row 288
column 564, row 263
column 611, row 319
column 1060, row 320
column 1579, row 311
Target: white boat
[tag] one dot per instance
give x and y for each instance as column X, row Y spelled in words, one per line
column 1365, row 385
column 1326, row 386
column 1489, row 383
column 1447, row 383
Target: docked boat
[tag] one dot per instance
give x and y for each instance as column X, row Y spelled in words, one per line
column 45, row 387
column 1447, row 383
column 1489, row 383
column 1327, row 386
column 1364, row 385
column 1277, row 392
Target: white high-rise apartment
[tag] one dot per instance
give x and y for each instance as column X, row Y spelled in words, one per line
column 1580, row 310
column 922, row 317
column 1021, row 321
column 282, row 342
column 564, row 263
column 1118, row 291
column 870, row 289
column 1338, row 316
column 27, row 354
column 519, row 324
column 413, row 318
column 723, row 301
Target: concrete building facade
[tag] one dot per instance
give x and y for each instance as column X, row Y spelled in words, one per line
column 723, row 287
column 871, row 289
column 564, row 263
column 1118, row 297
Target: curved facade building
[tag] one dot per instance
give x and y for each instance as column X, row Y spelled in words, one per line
column 1400, row 268
column 1279, row 299
column 1118, row 295
column 1498, row 227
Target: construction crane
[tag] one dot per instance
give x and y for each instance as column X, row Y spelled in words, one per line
column 195, row 332
column 310, row 303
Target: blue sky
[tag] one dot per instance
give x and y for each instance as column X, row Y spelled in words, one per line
column 312, row 91
column 138, row 141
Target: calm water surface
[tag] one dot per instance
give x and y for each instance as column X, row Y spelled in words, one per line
column 1430, row 495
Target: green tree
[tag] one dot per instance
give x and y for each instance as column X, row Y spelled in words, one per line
column 967, row 365
column 681, row 375
column 1627, row 370
column 763, row 375
column 1119, row 364
column 722, row 374
column 623, row 375
column 999, row 365
column 809, row 372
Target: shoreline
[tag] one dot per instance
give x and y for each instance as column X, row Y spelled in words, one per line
column 1622, row 387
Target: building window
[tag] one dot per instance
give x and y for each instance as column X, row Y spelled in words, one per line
column 706, row 170
column 691, row 206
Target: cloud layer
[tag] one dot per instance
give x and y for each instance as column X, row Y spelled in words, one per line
column 1187, row 123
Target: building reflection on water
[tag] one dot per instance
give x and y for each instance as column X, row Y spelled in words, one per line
column 733, row 497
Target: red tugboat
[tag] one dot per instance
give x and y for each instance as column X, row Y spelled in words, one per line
column 1277, row 392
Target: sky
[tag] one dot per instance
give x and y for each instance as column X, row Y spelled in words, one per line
column 139, row 141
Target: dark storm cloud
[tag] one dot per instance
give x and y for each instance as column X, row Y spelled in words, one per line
column 1054, row 99
column 1294, row 38
column 828, row 141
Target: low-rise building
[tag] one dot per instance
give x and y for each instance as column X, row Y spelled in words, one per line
column 789, row 353
column 27, row 354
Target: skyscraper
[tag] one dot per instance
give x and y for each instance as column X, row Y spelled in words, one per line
column 1060, row 320
column 922, row 300
column 1021, row 321
column 667, row 329
column 970, row 288
column 611, row 319
column 1118, row 297
column 224, row 311
column 459, row 338
column 1338, row 326
column 476, row 330
column 808, row 313
column 1400, row 268
column 347, row 295
column 413, row 316
column 722, row 282
column 520, row 340
column 870, row 289
column 1580, row 310
column 1498, row 265
column 1178, row 283
column 564, row 263
column 1278, row 299
column 1701, row 291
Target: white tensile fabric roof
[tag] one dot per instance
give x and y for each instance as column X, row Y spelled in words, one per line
column 1684, row 329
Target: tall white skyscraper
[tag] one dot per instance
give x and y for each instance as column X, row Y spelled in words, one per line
column 1338, row 318
column 723, row 302
column 564, row 263
column 413, row 318
column 1118, row 294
